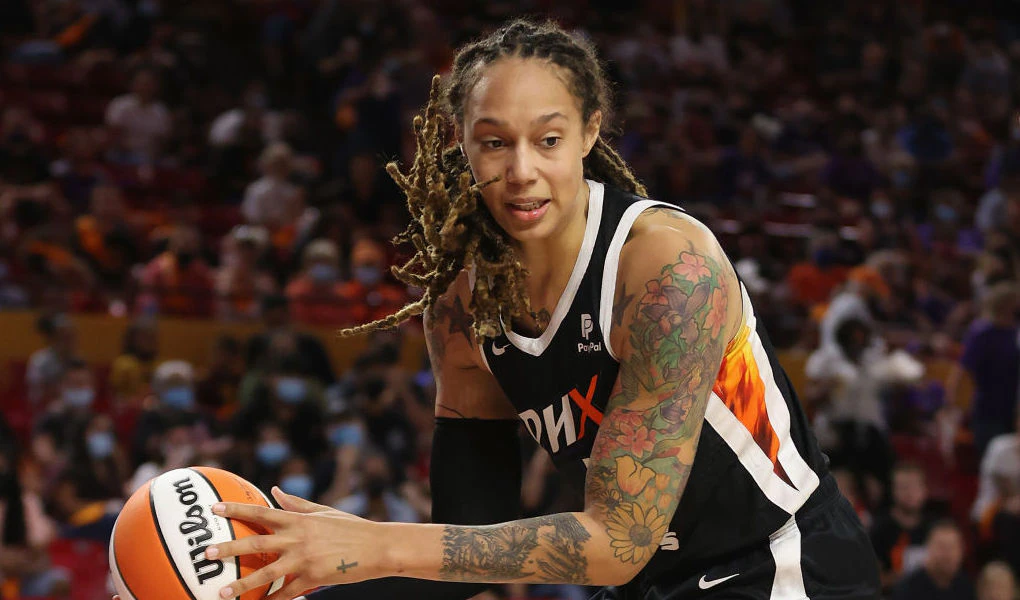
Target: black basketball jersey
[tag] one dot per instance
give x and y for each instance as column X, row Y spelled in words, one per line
column 756, row 462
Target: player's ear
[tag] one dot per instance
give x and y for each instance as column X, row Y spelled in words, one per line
column 591, row 131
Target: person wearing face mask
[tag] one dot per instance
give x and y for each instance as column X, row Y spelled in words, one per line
column 271, row 451
column 296, row 479
column 173, row 401
column 369, row 293
column 99, row 460
column 315, row 292
column 59, row 427
column 291, row 401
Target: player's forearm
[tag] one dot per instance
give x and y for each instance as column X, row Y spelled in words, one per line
column 560, row 548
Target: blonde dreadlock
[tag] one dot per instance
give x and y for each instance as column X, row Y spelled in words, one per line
column 449, row 228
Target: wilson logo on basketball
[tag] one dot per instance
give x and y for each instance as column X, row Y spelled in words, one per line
column 195, row 527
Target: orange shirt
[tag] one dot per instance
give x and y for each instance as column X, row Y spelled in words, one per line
column 317, row 304
column 811, row 285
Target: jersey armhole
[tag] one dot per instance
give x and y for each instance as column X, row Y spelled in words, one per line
column 612, row 266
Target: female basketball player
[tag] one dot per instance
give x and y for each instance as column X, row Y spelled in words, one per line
column 615, row 328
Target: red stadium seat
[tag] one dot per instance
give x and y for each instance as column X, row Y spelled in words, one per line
column 88, row 563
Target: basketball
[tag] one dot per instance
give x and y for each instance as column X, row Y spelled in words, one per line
column 159, row 540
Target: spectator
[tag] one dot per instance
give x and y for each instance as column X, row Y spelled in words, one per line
column 25, row 534
column 277, row 325
column 996, row 582
column 272, row 200
column 899, row 533
column 81, row 517
column 46, row 367
column 991, row 358
column 290, row 399
column 131, row 372
column 377, row 498
column 98, row 460
column 852, row 375
column 997, row 506
column 316, row 293
column 105, row 240
column 240, row 281
column 22, row 156
column 219, row 387
column 368, row 293
column 272, row 452
column 296, row 479
column 178, row 281
column 812, row 281
column 139, row 121
column 232, row 128
column 991, row 210
column 66, row 418
column 80, row 169
column 173, row 385
column 942, row 576
column 177, row 447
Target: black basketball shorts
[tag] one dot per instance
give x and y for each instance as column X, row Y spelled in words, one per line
column 822, row 553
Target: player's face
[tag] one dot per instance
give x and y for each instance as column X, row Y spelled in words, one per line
column 522, row 124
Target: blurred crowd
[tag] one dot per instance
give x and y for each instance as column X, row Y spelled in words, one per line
column 860, row 162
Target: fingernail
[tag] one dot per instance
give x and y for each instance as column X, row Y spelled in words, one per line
column 226, row 592
column 218, row 508
column 212, row 553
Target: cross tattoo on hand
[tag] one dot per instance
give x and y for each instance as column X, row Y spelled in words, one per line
column 344, row 566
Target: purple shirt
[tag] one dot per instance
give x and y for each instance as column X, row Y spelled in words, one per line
column 992, row 357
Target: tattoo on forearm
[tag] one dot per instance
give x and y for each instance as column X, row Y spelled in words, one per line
column 550, row 548
column 645, row 449
column 344, row 565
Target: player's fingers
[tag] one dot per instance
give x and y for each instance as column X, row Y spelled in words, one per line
column 253, row 544
column 251, row 513
column 296, row 503
column 264, row 576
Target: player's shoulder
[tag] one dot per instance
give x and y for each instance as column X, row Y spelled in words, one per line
column 662, row 233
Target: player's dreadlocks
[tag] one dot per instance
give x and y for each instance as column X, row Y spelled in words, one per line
column 450, row 228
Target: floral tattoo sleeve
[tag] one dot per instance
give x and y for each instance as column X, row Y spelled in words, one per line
column 645, row 448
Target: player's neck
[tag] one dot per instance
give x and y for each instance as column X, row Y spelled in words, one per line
column 551, row 260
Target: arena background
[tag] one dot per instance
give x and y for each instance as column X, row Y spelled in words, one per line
column 192, row 201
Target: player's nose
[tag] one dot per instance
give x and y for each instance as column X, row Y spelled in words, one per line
column 521, row 165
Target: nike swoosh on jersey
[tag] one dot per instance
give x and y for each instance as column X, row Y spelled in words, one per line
column 706, row 584
column 497, row 351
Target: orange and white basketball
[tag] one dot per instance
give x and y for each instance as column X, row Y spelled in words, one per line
column 159, row 541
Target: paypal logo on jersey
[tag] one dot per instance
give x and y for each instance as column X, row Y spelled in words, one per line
column 587, row 326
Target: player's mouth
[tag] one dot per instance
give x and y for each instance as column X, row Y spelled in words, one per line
column 528, row 209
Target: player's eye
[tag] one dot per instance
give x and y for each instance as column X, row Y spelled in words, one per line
column 551, row 141
column 493, row 144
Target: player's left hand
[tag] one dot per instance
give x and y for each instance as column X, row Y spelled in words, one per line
column 317, row 545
